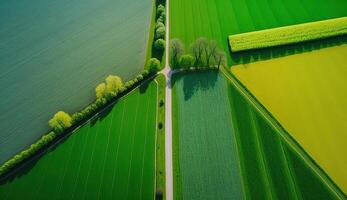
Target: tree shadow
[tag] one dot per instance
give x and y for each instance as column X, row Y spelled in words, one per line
column 254, row 55
column 196, row 81
column 143, row 88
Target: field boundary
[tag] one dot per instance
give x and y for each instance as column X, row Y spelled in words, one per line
column 285, row 134
column 69, row 132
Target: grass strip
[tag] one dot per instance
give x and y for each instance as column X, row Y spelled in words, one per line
column 160, row 146
column 288, row 34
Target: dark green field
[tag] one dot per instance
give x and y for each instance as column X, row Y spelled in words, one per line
column 225, row 148
column 112, row 157
column 217, row 19
column 205, row 157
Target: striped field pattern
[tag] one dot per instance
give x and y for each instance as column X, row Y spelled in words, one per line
column 111, row 157
column 288, row 34
column 224, row 148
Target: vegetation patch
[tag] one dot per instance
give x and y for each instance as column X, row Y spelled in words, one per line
column 304, row 92
column 288, row 34
column 111, row 157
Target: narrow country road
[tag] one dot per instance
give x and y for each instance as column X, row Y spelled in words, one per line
column 168, row 106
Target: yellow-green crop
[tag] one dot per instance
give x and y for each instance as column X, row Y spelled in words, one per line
column 288, row 34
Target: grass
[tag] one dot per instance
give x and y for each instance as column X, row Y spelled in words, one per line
column 288, row 34
column 110, row 157
column 271, row 168
column 225, row 147
column 87, row 41
column 204, row 150
column 219, row 19
column 160, row 150
column 312, row 108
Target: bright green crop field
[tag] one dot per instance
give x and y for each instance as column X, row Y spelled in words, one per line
column 112, row 157
column 217, row 19
column 226, row 148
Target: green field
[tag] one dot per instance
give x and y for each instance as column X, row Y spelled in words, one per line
column 288, row 34
column 112, row 157
column 226, row 148
column 313, row 108
column 205, row 158
column 54, row 53
column 217, row 20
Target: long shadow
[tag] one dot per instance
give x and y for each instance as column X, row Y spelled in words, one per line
column 254, row 55
column 196, row 81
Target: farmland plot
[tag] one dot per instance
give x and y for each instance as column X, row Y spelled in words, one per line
column 205, row 158
column 305, row 93
column 54, row 53
column 111, row 157
column 224, row 148
column 272, row 168
column 217, row 19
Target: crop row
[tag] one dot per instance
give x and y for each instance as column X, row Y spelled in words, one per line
column 288, row 34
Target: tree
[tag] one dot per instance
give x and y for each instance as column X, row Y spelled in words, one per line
column 153, row 65
column 160, row 10
column 198, row 48
column 60, row 122
column 160, row 33
column 176, row 51
column 220, row 58
column 186, row 61
column 113, row 85
column 100, row 91
column 159, row 24
column 210, row 50
column 159, row 45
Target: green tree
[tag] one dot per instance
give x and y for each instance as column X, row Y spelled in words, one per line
column 60, row 122
column 100, row 91
column 220, row 58
column 160, row 33
column 176, row 51
column 159, row 24
column 186, row 61
column 160, row 10
column 159, row 45
column 198, row 49
column 153, row 65
column 113, row 85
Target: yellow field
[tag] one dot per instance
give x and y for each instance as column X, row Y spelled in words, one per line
column 307, row 94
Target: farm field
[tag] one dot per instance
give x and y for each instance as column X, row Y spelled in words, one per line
column 111, row 157
column 231, row 150
column 205, row 158
column 54, row 53
column 217, row 19
column 305, row 93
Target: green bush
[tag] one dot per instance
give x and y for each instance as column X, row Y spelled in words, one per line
column 159, row 24
column 160, row 33
column 186, row 61
column 60, row 122
column 153, row 65
column 159, row 45
column 160, row 10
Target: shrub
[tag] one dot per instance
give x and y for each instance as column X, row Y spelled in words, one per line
column 161, row 103
column 60, row 122
column 160, row 33
column 153, row 65
column 159, row 45
column 159, row 24
column 160, row 10
column 186, row 61
column 145, row 73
